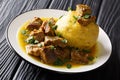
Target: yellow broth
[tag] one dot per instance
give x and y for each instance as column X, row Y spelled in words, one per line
column 22, row 43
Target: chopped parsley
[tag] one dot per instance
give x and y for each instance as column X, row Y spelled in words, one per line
column 58, row 34
column 30, row 40
column 52, row 47
column 36, row 41
column 60, row 16
column 86, row 51
column 58, row 62
column 68, row 66
column 54, row 27
column 23, row 32
column 76, row 18
column 69, row 9
column 40, row 45
column 50, row 23
column 90, row 58
column 87, row 16
column 64, row 41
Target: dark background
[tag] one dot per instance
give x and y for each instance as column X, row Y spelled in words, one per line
column 13, row 67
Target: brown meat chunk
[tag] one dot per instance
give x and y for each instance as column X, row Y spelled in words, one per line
column 51, row 22
column 43, row 25
column 83, row 9
column 56, row 41
column 47, row 55
column 84, row 12
column 47, row 29
column 34, row 24
column 79, row 57
column 85, row 22
column 62, row 53
column 38, row 35
column 33, row 50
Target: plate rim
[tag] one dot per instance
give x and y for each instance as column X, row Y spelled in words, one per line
column 8, row 41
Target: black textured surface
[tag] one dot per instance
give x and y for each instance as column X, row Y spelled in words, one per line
column 12, row 67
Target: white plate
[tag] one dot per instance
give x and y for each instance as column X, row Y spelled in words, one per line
column 103, row 40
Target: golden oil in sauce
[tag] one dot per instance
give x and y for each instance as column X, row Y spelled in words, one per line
column 22, row 43
column 94, row 53
column 22, row 38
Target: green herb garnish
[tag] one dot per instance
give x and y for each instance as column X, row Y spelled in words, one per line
column 87, row 16
column 23, row 32
column 69, row 9
column 68, row 66
column 50, row 23
column 86, row 51
column 58, row 62
column 52, row 47
column 64, row 41
column 40, row 45
column 90, row 58
column 58, row 34
column 54, row 27
column 30, row 40
column 60, row 16
column 36, row 41
column 76, row 17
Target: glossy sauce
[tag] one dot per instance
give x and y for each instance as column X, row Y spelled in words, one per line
column 22, row 43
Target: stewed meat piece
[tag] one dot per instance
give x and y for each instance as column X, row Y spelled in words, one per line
column 51, row 22
column 85, row 22
column 56, row 41
column 83, row 10
column 42, row 41
column 33, row 50
column 49, row 31
column 47, row 28
column 34, row 24
column 38, row 35
column 47, row 55
column 43, row 25
column 62, row 53
column 79, row 57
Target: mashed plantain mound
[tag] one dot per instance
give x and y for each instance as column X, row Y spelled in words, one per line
column 79, row 28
